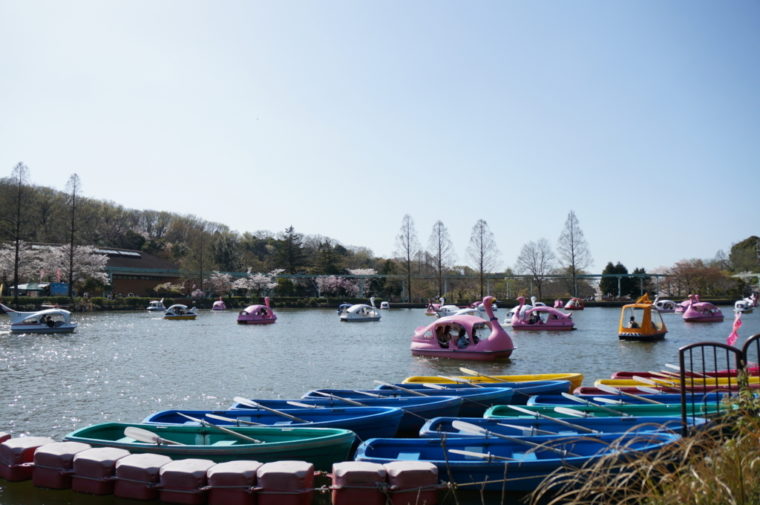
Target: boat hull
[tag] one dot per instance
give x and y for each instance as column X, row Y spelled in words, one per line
column 642, row 337
column 485, row 355
column 417, row 409
column 321, row 446
column 650, row 409
column 43, row 328
column 513, row 381
column 488, row 471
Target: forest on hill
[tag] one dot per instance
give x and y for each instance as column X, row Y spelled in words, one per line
column 42, row 215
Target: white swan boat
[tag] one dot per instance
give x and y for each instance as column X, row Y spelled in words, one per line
column 42, row 321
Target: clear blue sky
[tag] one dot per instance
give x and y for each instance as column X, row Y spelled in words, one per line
column 339, row 117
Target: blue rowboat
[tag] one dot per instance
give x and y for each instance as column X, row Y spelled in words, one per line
column 521, row 390
column 366, row 422
column 542, row 399
column 516, row 465
column 475, row 400
column 417, row 409
column 443, row 426
column 666, row 409
column 321, row 446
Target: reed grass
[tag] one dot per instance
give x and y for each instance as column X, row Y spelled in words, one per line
column 715, row 465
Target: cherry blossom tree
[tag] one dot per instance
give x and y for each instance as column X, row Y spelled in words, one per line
column 257, row 282
column 337, row 286
column 219, row 283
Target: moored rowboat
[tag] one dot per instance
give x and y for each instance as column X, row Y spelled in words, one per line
column 366, row 422
column 321, row 446
column 529, row 426
column 649, row 409
column 417, row 409
column 505, row 464
column 475, row 400
column 575, row 379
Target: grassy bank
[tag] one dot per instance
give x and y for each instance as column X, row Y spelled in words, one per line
column 719, row 465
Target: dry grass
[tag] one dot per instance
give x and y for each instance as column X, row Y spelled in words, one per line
column 719, row 465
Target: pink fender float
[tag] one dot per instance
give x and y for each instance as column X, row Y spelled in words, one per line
column 541, row 318
column 464, row 337
column 701, row 312
column 257, row 314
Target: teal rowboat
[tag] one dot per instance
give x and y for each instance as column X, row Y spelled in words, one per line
column 321, row 446
column 638, row 410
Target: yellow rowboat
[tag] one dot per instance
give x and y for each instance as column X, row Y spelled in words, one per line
column 575, row 378
column 690, row 381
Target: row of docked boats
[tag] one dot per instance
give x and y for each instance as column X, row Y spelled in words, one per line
column 474, row 428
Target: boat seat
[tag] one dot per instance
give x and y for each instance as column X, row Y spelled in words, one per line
column 409, row 456
column 224, row 442
column 525, row 456
column 126, row 440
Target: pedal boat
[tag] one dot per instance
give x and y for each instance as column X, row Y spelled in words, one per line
column 257, row 314
column 180, row 312
column 42, row 321
column 641, row 321
column 464, row 337
column 701, row 312
column 541, row 318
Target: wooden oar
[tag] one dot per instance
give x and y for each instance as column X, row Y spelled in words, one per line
column 256, row 405
column 533, row 429
column 552, row 419
column 359, row 391
column 478, row 374
column 347, row 400
column 615, row 391
column 676, row 367
column 479, row 430
column 233, row 420
column 433, row 385
column 484, row 455
column 609, row 401
column 400, row 388
column 223, row 429
column 457, row 380
column 304, row 405
column 572, row 412
column 656, row 382
column 595, row 405
column 648, row 390
column 146, row 436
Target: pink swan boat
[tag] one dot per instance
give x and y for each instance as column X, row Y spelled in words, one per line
column 701, row 312
column 218, row 305
column 559, row 304
column 257, row 314
column 574, row 304
column 464, row 337
column 433, row 308
column 541, row 318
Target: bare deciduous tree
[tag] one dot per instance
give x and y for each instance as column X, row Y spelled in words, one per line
column 442, row 251
column 407, row 247
column 536, row 259
column 20, row 178
column 483, row 251
column 573, row 249
column 72, row 188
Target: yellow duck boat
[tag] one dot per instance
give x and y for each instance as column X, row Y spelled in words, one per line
column 575, row 378
column 641, row 321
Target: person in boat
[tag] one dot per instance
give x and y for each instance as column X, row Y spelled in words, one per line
column 462, row 341
column 632, row 323
column 535, row 318
column 442, row 334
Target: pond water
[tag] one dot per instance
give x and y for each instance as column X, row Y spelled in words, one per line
column 123, row 366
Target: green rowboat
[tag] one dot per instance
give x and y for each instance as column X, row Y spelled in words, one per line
column 321, row 446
